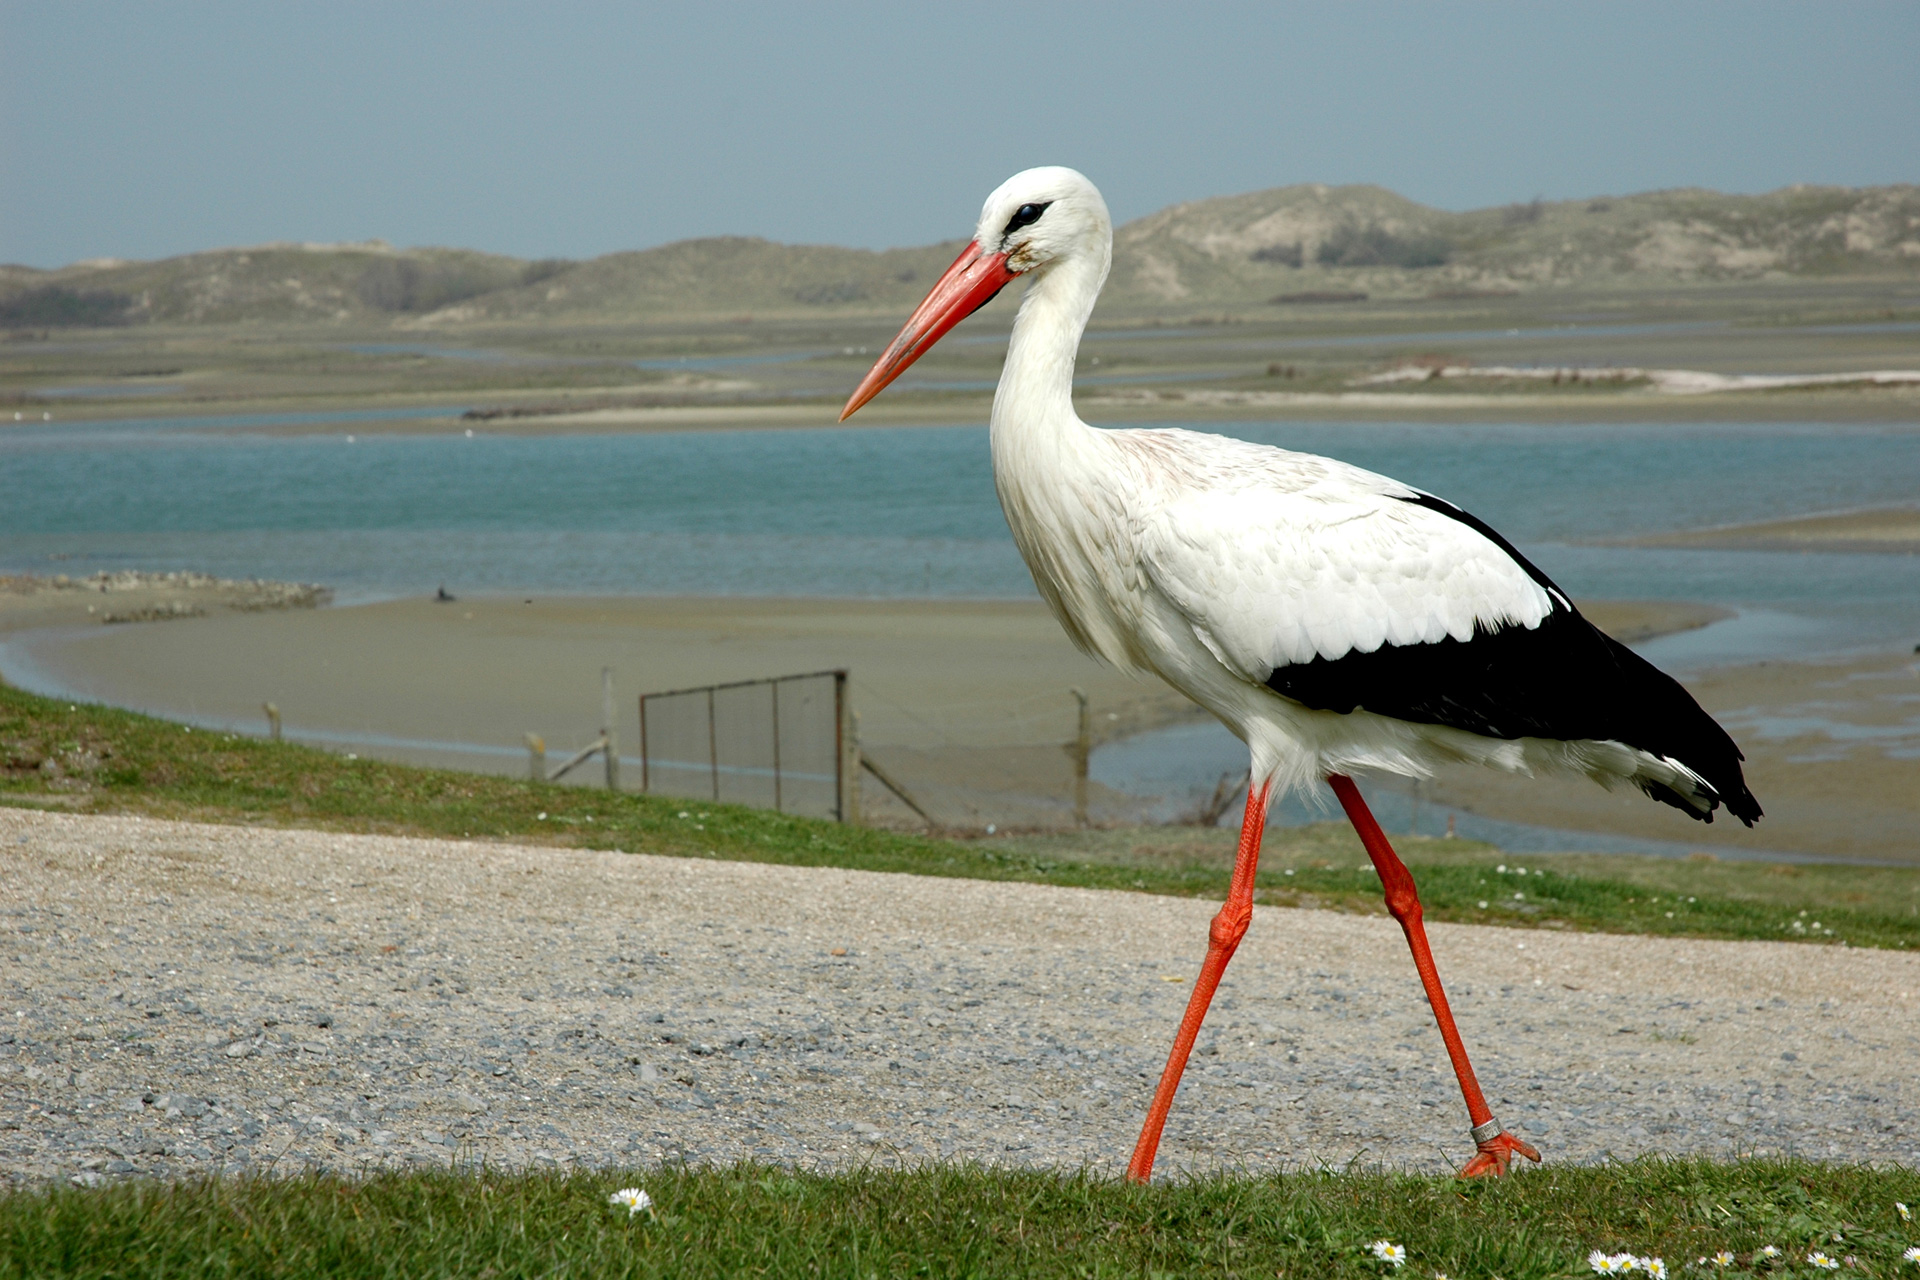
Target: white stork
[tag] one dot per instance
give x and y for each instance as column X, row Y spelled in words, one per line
column 1334, row 619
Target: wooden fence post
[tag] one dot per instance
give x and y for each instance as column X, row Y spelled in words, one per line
column 536, row 757
column 273, row 720
column 609, row 730
column 1080, row 750
column 848, row 731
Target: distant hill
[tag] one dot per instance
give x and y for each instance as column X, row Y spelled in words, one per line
column 1301, row 242
column 1243, row 249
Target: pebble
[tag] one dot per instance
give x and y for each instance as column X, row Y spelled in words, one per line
column 455, row 1005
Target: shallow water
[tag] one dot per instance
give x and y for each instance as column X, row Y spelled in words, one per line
column 854, row 512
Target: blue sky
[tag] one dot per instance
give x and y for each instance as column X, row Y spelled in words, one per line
column 557, row 129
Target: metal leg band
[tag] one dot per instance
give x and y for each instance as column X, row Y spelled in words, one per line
column 1485, row 1132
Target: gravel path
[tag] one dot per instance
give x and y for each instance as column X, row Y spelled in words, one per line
column 183, row 998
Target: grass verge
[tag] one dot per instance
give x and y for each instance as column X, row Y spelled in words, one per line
column 967, row 1221
column 98, row 759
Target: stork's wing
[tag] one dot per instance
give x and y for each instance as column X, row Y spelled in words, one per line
column 1345, row 591
column 1347, row 563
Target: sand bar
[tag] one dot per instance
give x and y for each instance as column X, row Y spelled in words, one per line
column 1894, row 530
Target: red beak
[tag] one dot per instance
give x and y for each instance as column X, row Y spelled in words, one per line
column 969, row 284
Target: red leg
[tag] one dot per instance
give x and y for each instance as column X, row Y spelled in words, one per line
column 1497, row 1146
column 1229, row 926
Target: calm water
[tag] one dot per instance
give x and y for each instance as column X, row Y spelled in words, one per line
column 855, row 512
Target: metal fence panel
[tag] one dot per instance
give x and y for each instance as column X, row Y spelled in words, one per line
column 743, row 738
column 676, row 743
column 807, row 723
column 773, row 744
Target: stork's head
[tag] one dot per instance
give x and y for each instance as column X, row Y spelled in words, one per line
column 1040, row 215
column 1033, row 220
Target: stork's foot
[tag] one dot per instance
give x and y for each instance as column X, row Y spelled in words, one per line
column 1496, row 1153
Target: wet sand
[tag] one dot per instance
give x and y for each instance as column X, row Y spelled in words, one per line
column 1884, row 529
column 966, row 701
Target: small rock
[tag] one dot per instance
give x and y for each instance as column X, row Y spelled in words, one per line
column 238, row 1049
column 88, row 1178
column 649, row 1074
column 467, row 1102
column 120, row 1166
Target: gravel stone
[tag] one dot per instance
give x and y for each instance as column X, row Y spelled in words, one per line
column 427, row 1001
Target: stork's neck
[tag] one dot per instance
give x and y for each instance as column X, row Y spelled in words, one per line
column 1035, row 396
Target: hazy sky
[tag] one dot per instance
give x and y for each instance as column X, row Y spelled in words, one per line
column 572, row 129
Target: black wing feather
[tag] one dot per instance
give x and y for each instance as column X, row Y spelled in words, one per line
column 1564, row 679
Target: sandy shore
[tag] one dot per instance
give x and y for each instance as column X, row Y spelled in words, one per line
column 1883, row 529
column 189, row 999
column 967, row 702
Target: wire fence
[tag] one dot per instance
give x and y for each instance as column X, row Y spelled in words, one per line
column 784, row 744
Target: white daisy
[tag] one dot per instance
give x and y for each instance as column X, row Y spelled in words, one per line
column 1387, row 1251
column 1822, row 1261
column 1721, row 1259
column 1655, row 1267
column 633, row 1198
column 1906, row 1214
column 1767, row 1251
column 1912, row 1255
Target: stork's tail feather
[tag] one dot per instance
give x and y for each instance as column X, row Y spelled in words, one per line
column 1703, row 763
column 1704, row 800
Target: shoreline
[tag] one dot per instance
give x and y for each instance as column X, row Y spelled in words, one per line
column 414, row 415
column 967, row 701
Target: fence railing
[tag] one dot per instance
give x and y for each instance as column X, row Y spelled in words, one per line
column 785, row 744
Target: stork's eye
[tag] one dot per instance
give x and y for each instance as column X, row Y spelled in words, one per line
column 1025, row 216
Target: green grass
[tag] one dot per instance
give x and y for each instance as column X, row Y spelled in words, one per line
column 98, row 759
column 960, row 1221
column 1324, row 866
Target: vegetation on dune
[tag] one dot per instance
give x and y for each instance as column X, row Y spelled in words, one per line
column 969, row 1221
column 98, row 759
column 55, row 306
column 1360, row 245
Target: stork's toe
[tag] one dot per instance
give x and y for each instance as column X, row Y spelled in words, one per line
column 1496, row 1155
